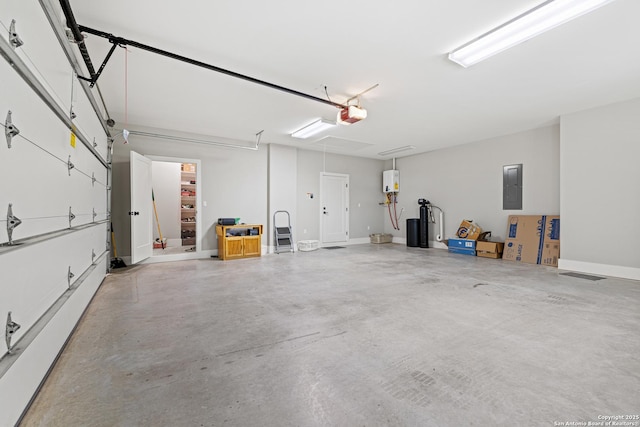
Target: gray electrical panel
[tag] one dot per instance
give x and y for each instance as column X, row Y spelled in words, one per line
column 512, row 187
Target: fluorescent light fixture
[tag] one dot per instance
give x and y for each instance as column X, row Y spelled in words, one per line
column 396, row 150
column 536, row 21
column 313, row 128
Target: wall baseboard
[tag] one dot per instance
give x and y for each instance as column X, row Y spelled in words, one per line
column 432, row 243
column 174, row 257
column 356, row 241
column 602, row 269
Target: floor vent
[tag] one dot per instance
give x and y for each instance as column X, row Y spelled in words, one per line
column 333, row 247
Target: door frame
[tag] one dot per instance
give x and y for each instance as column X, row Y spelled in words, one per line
column 199, row 236
column 322, row 198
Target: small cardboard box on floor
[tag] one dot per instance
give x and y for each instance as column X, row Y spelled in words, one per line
column 462, row 246
column 489, row 249
column 534, row 239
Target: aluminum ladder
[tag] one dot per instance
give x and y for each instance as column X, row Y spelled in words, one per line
column 283, row 236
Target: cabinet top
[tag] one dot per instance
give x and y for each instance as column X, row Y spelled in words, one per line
column 220, row 229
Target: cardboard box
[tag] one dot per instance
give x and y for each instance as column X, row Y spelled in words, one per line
column 534, row 239
column 550, row 251
column 468, row 230
column 462, row 246
column 462, row 251
column 489, row 249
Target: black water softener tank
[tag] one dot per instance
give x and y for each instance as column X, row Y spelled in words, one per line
column 424, row 223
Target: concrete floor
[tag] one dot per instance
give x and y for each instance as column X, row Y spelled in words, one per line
column 368, row 335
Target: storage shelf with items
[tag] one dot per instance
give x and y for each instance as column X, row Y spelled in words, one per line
column 188, row 204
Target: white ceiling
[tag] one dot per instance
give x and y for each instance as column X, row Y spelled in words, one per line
column 422, row 99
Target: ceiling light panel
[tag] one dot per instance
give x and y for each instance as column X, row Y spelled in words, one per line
column 396, row 150
column 313, row 128
column 544, row 17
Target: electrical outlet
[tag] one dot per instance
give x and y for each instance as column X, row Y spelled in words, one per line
column 304, row 231
column 368, row 227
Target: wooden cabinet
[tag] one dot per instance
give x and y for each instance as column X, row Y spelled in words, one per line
column 239, row 241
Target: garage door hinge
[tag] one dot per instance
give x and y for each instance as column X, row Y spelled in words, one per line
column 10, row 329
column 71, row 216
column 12, row 222
column 10, row 130
column 70, row 276
column 14, row 40
column 70, row 165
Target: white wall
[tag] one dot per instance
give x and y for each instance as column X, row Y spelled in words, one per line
column 34, row 177
column 166, row 189
column 466, row 181
column 283, row 162
column 233, row 183
column 365, row 177
column 600, row 195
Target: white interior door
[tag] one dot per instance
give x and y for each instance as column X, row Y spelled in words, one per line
column 141, row 220
column 334, row 205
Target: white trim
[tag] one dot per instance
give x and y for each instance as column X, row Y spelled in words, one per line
column 356, row 241
column 620, row 271
column 174, row 257
column 401, row 240
column 438, row 245
column 433, row 244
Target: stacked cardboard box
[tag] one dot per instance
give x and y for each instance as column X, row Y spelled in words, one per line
column 466, row 236
column 534, row 239
column 468, row 230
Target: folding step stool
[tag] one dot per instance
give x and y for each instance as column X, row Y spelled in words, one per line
column 283, row 237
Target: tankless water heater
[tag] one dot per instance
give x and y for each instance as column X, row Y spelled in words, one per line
column 390, row 181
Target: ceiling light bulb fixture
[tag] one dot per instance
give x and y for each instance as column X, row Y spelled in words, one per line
column 313, row 128
column 351, row 114
column 543, row 17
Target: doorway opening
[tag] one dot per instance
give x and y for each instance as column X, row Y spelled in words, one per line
column 176, row 222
